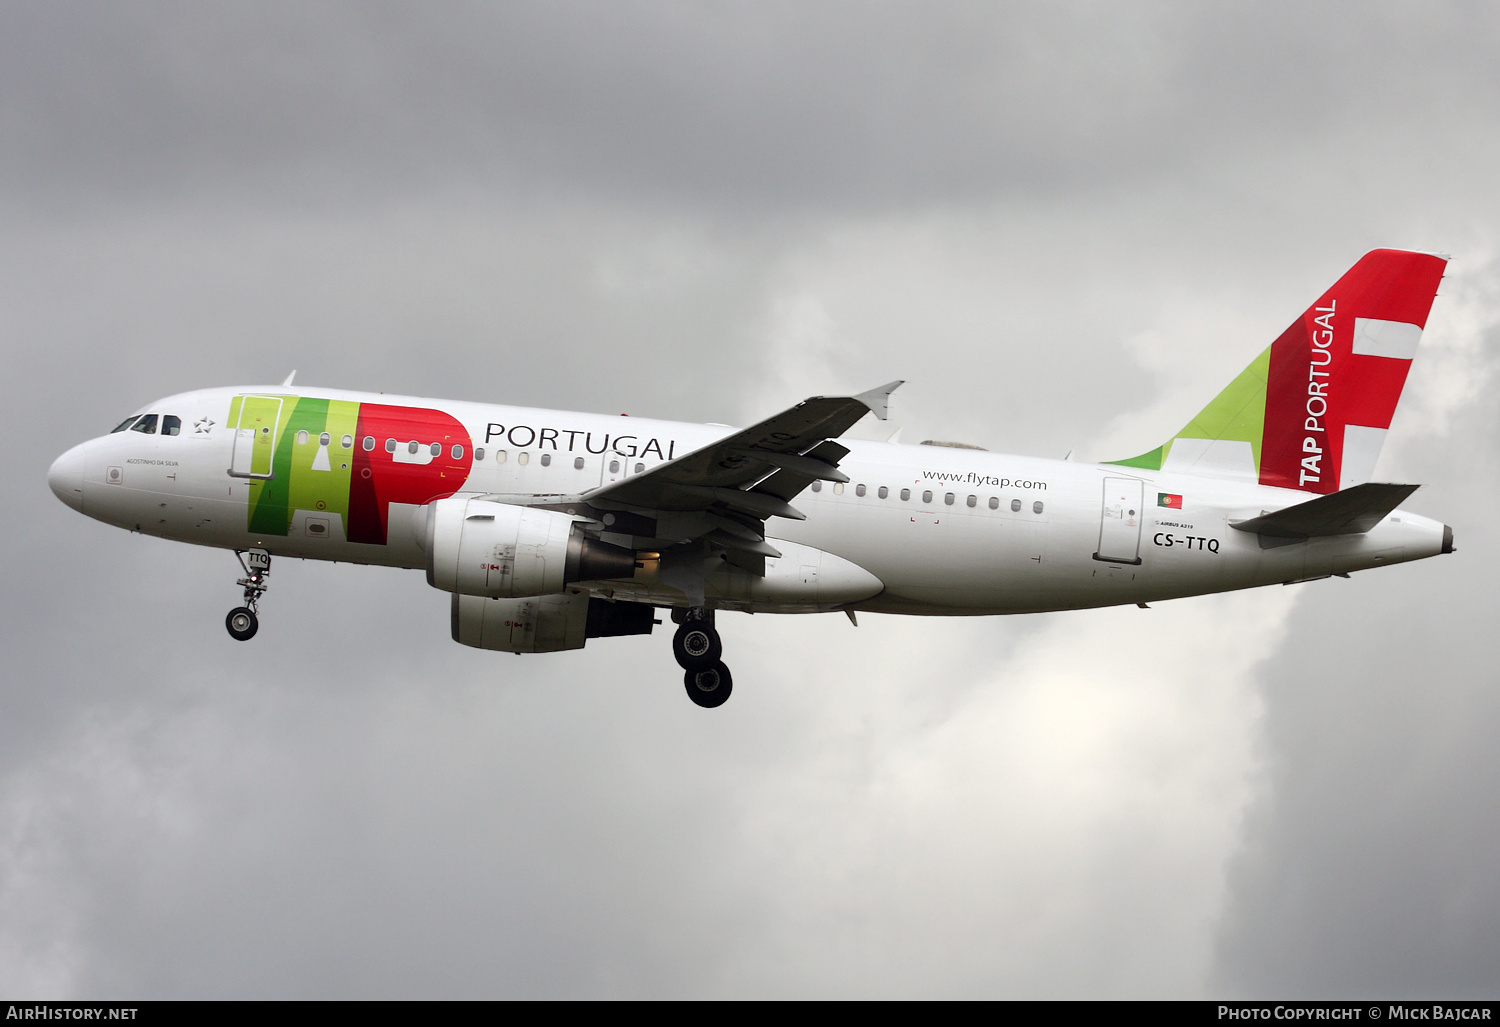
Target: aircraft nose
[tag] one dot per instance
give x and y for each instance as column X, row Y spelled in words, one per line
column 65, row 477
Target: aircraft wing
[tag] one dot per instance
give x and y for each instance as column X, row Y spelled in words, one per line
column 742, row 471
column 734, row 484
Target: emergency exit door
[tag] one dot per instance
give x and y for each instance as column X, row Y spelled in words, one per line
column 1120, row 521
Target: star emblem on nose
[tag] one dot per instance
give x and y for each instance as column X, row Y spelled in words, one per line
column 202, row 425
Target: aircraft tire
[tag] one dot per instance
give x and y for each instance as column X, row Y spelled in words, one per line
column 696, row 646
column 709, row 687
column 242, row 623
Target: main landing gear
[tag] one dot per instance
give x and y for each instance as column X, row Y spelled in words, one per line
column 242, row 622
column 697, row 649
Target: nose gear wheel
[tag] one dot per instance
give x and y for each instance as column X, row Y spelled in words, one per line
column 242, row 622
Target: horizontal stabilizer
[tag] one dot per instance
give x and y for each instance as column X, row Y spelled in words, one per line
column 1353, row 511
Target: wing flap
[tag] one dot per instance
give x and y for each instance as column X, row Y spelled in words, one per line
column 701, row 497
column 789, row 481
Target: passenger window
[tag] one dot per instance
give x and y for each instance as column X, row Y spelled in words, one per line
column 411, row 447
column 578, row 463
column 126, row 423
column 973, row 502
column 905, row 495
column 171, row 424
column 639, row 468
column 436, row 449
column 859, row 490
column 1015, row 506
column 302, row 438
column 883, row 492
column 500, row 456
column 324, row 439
column 347, row 442
column 817, row 486
column 927, row 495
column 838, row 488
column 523, row 458
column 614, row 467
column 994, row 502
column 369, row 443
column 390, row 445
column 478, row 452
column 146, row 425
column 948, row 499
column 457, row 452
column 546, row 459
column 1036, row 507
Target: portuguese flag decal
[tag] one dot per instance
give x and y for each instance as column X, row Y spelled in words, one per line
column 1169, row 500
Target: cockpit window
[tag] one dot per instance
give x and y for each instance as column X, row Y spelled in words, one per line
column 127, row 422
column 171, row 424
column 146, row 425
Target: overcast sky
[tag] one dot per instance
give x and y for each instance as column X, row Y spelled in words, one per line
column 1066, row 225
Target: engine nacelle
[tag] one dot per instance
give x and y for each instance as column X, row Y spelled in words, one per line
column 544, row 624
column 476, row 547
column 539, row 624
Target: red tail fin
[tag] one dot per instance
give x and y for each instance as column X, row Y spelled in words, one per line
column 1336, row 374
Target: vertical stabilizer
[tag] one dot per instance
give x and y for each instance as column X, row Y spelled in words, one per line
column 1312, row 411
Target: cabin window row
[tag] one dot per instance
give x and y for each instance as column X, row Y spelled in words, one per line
column 498, row 456
column 325, row 439
column 949, row 498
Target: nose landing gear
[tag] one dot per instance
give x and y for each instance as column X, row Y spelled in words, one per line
column 697, row 649
column 242, row 623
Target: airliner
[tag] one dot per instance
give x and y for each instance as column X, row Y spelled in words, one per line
column 548, row 528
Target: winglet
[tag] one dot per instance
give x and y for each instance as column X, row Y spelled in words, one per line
column 877, row 399
column 288, row 382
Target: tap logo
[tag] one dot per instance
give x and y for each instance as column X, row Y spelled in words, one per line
column 339, row 465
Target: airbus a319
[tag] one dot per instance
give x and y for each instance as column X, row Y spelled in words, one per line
column 548, row 528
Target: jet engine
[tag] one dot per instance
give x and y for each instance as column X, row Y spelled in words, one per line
column 476, row 547
column 545, row 624
column 538, row 624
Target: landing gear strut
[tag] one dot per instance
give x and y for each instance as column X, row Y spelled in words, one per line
column 697, row 649
column 242, row 623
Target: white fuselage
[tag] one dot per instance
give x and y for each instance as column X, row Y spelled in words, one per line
column 978, row 532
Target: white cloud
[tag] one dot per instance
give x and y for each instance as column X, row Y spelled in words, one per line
column 1455, row 364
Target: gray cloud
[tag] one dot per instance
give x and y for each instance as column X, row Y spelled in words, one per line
column 750, row 107
column 1363, row 872
column 1066, row 226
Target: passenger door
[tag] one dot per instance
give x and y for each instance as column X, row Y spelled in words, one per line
column 1120, row 521
column 255, row 436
